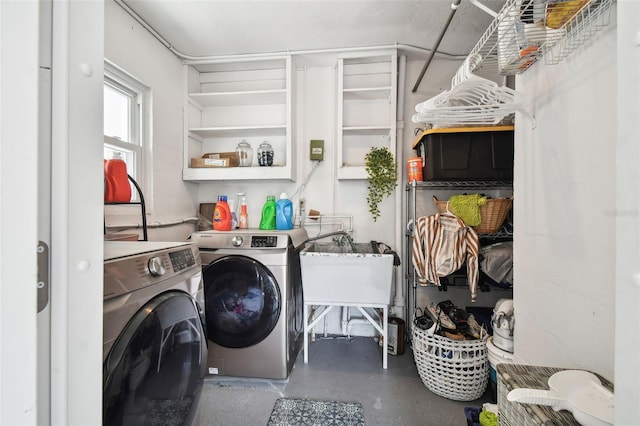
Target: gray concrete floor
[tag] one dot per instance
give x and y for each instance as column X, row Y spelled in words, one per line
column 337, row 370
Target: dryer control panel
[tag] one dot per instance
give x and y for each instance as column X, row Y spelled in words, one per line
column 149, row 266
column 264, row 241
column 182, row 259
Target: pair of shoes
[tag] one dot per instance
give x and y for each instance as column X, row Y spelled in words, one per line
column 471, row 329
column 423, row 322
column 439, row 316
column 474, row 328
column 464, row 322
column 457, row 315
column 454, row 335
column 451, row 334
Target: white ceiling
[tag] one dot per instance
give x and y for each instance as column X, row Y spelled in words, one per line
column 228, row 27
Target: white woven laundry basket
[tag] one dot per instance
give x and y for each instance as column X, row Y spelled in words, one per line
column 454, row 369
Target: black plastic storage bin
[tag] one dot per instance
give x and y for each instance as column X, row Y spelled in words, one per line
column 466, row 153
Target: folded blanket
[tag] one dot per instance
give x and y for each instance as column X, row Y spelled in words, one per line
column 467, row 207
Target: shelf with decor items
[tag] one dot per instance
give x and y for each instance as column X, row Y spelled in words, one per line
column 366, row 116
column 229, row 101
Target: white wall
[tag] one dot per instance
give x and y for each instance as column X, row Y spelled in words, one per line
column 564, row 255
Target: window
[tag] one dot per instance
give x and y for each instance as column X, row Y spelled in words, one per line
column 127, row 124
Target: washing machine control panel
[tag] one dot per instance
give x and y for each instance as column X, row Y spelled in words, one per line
column 264, row 241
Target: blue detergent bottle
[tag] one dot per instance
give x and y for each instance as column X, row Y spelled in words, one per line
column 284, row 212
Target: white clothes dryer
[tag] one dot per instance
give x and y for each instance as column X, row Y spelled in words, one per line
column 253, row 300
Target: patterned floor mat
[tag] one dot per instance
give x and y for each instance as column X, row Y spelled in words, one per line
column 303, row 412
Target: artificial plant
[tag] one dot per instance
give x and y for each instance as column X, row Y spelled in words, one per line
column 382, row 174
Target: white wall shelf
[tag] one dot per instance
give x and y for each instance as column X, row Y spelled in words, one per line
column 249, row 97
column 236, row 173
column 366, row 130
column 367, row 93
column 238, row 131
column 366, row 117
column 230, row 101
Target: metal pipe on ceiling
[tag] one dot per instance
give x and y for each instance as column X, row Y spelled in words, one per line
column 194, row 60
column 454, row 7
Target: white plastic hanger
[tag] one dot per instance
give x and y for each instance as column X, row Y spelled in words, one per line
column 471, row 100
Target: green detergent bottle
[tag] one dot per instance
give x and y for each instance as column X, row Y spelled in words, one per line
column 268, row 220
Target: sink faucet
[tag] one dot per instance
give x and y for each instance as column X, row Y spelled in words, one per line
column 340, row 237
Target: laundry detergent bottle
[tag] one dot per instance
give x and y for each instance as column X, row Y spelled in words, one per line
column 234, row 216
column 222, row 215
column 268, row 219
column 116, row 180
column 243, row 220
column 284, row 212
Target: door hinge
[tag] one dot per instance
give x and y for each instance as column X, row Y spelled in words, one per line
column 43, row 275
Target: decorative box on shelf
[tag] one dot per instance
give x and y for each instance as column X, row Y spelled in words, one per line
column 216, row 159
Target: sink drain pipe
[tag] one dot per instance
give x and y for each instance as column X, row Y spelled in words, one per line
column 399, row 299
column 347, row 321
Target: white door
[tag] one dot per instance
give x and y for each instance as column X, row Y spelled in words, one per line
column 60, row 205
column 18, row 210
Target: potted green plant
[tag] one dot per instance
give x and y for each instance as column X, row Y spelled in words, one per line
column 382, row 174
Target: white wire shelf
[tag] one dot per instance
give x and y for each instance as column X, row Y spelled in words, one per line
column 526, row 30
column 522, row 32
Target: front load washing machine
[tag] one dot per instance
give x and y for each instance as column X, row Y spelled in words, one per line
column 154, row 343
column 253, row 300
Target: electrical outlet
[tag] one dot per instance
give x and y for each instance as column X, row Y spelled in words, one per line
column 316, row 150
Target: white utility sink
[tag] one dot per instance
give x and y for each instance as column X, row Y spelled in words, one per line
column 348, row 276
column 333, row 274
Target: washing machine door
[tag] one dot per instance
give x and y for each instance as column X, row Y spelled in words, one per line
column 153, row 373
column 242, row 301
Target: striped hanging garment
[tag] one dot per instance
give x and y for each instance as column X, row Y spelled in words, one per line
column 441, row 244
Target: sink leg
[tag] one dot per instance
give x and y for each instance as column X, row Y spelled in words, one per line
column 385, row 327
column 305, row 344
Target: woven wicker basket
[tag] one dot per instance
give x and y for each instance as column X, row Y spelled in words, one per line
column 454, row 369
column 492, row 214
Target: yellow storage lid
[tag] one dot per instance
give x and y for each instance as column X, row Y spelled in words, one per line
column 460, row 130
